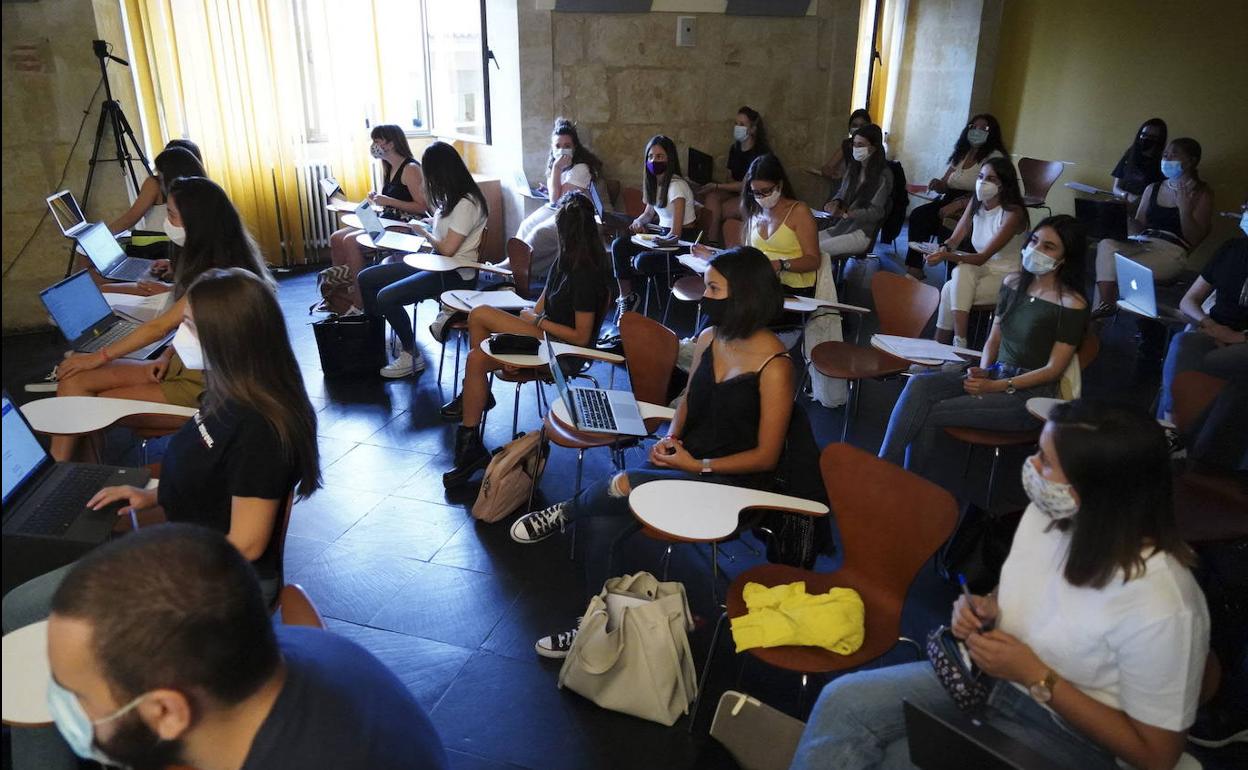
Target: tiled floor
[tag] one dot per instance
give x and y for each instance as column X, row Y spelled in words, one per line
column 453, row 606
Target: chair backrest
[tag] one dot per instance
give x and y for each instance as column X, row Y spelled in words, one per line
column 519, row 260
column 1038, row 176
column 702, row 218
column 613, row 190
column 277, row 541
column 734, row 233
column 890, row 520
column 650, row 350
column 634, row 204
column 904, row 305
column 297, row 609
column 1088, row 350
column 1193, row 392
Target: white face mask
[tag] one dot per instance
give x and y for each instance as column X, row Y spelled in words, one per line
column 564, row 152
column 76, row 727
column 1037, row 262
column 175, row 233
column 1243, row 222
column 976, row 136
column 740, row 133
column 186, row 345
column 1055, row 500
column 861, row 153
column 985, row 190
column 770, row 200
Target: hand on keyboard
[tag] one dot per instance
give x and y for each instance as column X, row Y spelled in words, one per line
column 135, row 499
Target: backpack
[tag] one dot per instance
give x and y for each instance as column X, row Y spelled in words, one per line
column 792, row 538
column 334, row 285
column 510, row 476
column 890, row 228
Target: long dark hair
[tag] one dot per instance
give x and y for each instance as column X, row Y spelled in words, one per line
column 766, row 168
column 215, row 234
column 174, row 163
column 1070, row 272
column 1138, row 158
column 856, row 114
column 580, row 153
column 862, row 188
column 1117, row 460
column 994, row 142
column 1191, row 148
column 654, row 189
column 388, row 132
column 243, row 334
column 761, row 144
column 447, row 179
column 755, row 298
column 187, row 145
column 1010, row 196
column 580, row 241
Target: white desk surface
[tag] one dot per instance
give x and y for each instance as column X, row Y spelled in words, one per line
column 878, row 341
column 810, row 304
column 641, row 239
column 26, row 676
column 398, row 242
column 458, row 299
column 436, row 263
column 1041, row 407
column 922, row 192
column 539, row 359
column 351, row 219
column 648, row 412
column 702, row 511
column 347, row 207
column 75, row 415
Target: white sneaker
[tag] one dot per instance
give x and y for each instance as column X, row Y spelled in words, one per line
column 960, row 342
column 437, row 329
column 403, row 366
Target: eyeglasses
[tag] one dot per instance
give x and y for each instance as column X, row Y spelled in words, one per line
column 761, row 193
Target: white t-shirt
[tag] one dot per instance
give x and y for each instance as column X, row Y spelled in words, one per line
column 577, row 176
column 154, row 219
column 964, row 178
column 985, row 225
column 676, row 189
column 467, row 219
column 1138, row 647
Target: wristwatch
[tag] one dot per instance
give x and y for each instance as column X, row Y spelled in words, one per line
column 706, row 466
column 1042, row 691
column 1009, row 387
column 784, row 265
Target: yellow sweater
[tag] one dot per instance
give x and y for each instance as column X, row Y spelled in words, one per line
column 786, row 614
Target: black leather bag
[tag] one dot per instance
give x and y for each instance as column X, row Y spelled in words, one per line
column 350, row 345
column 978, row 549
column 515, row 344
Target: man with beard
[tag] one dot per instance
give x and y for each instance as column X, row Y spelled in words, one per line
column 162, row 653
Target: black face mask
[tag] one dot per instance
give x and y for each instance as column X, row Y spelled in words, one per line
column 713, row 310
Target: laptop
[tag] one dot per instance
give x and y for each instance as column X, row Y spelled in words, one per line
column 956, row 741
column 701, row 166
column 46, row 521
column 333, row 190
column 595, row 409
column 383, row 238
column 109, row 257
column 1135, row 286
column 67, row 213
column 79, row 309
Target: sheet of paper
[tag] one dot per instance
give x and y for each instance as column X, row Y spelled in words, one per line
column 696, row 264
column 139, row 308
column 913, row 349
column 504, row 300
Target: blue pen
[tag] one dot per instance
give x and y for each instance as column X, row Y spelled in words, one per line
column 966, row 591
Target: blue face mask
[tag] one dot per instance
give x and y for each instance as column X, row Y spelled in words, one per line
column 1172, row 169
column 76, row 727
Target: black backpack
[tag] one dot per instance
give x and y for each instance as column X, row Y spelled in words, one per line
column 890, row 228
column 792, row 538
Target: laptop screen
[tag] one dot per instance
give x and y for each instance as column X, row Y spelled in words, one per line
column 561, row 382
column 100, row 246
column 331, row 188
column 76, row 304
column 370, row 221
column 23, row 455
column 65, row 210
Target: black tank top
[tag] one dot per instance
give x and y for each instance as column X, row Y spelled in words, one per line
column 1160, row 217
column 394, row 187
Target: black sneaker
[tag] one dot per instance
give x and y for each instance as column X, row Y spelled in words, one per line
column 539, row 525
column 557, row 645
column 453, row 410
column 624, row 303
column 1217, row 727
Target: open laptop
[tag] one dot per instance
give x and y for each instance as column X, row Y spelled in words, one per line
column 46, row 521
column 383, row 238
column 1135, row 286
column 956, row 741
column 595, row 409
column 109, row 257
column 333, row 190
column 701, row 166
column 79, row 309
column 67, row 213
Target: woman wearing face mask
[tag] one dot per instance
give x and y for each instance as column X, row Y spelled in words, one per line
column 865, row 197
column 402, row 196
column 979, row 141
column 834, row 169
column 669, row 199
column 996, row 220
column 571, row 167
column 230, row 467
column 729, row 428
column 1096, row 636
column 1173, row 218
column 723, row 199
column 1140, row 164
column 1040, row 320
column 206, row 225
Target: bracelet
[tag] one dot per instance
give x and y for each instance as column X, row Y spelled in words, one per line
column 104, row 352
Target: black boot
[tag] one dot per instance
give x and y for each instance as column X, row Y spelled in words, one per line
column 470, row 456
column 453, row 410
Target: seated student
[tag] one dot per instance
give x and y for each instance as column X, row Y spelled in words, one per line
column 571, row 167
column 214, row 237
column 1040, row 321
column 865, row 197
column 996, row 220
column 162, row 653
column 402, row 196
column 1217, row 345
column 1140, row 164
column 834, row 169
column 570, row 309
column 459, row 218
column 1174, row 217
column 669, row 198
column 979, row 141
column 723, row 199
column 729, row 428
column 1100, row 629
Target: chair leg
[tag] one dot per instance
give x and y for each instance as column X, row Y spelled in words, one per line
column 714, row 573
column 992, row 476
column 706, row 671
column 918, row 648
column 455, row 385
column 850, row 398
column 441, row 362
column 515, row 410
column 665, row 561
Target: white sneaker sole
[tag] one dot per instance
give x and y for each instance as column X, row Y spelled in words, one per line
column 1239, row 737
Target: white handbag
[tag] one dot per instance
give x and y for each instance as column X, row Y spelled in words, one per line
column 632, row 652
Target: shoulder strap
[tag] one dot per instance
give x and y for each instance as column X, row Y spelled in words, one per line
column 790, row 211
column 760, row 369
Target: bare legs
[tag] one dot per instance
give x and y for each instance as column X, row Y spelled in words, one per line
column 135, row 380
column 482, row 322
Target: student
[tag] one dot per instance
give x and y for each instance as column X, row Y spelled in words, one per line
column 149, row 204
column 571, row 167
column 459, row 219
column 402, row 196
column 979, row 141
column 1217, row 345
column 729, row 428
column 162, row 653
column 1140, row 164
column 210, row 234
column 996, row 220
column 723, row 199
column 865, row 197
column 834, row 169
column 669, row 199
column 1040, row 321
column 1173, row 218
column 570, row 309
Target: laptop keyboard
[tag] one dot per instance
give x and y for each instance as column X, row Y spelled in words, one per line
column 114, row 333
column 63, row 505
column 594, row 408
column 131, row 270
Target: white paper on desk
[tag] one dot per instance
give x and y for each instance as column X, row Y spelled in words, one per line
column 503, row 300
column 141, row 309
column 694, row 263
column 918, row 350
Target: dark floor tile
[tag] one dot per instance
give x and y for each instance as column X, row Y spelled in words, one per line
column 332, row 449
column 488, row 547
column 450, row 605
column 300, row 551
column 537, row 612
column 461, row 761
column 354, row 422
column 330, row 512
column 402, row 527
column 374, row 469
column 419, row 430
column 345, row 586
column 425, row 666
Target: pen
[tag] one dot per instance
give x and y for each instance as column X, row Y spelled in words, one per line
column 698, row 240
column 966, row 591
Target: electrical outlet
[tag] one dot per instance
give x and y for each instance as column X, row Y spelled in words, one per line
column 685, row 35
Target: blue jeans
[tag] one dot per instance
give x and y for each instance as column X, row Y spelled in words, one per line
column 859, row 722
column 387, row 289
column 934, row 401
column 1197, row 350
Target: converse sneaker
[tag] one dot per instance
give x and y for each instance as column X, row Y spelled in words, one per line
column 405, row 365
column 437, row 329
column 960, row 342
column 539, row 525
column 557, row 645
column 625, row 303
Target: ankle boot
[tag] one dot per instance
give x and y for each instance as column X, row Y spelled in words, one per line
column 470, row 456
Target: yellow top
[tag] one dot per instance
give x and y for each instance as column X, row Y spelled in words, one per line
column 787, row 615
column 783, row 244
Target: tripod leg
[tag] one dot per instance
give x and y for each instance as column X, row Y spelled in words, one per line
column 86, row 192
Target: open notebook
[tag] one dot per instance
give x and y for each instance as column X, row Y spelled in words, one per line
column 919, row 350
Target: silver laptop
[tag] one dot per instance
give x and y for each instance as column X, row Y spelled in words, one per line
column 79, row 309
column 383, row 238
column 67, row 213
column 333, row 190
column 109, row 257
column 597, row 410
column 1135, row 286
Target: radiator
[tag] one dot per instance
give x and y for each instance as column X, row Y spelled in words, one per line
column 318, row 223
